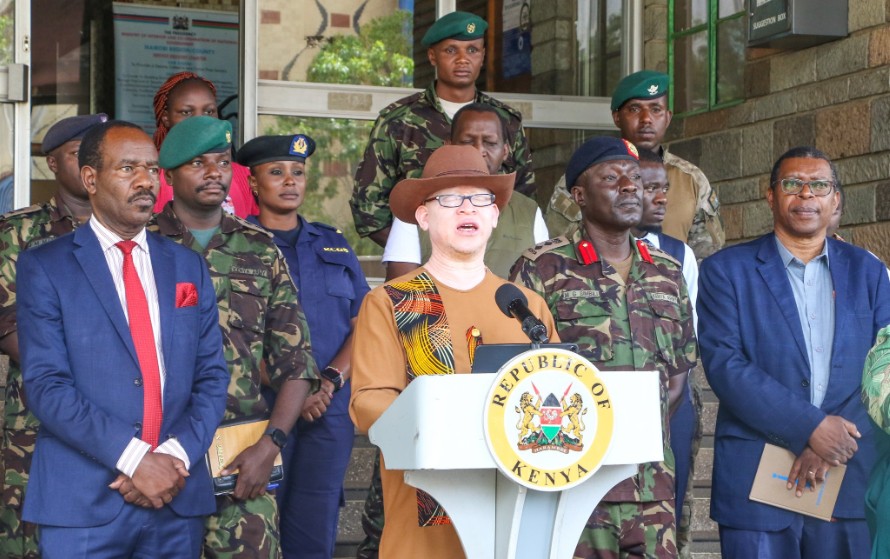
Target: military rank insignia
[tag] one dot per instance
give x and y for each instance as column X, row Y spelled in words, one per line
column 643, row 247
column 586, row 253
column 631, row 149
column 299, row 145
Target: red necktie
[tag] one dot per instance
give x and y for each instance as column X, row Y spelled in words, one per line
column 144, row 340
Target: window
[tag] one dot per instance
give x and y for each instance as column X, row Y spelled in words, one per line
column 706, row 53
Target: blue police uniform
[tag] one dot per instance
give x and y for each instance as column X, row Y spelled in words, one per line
column 331, row 286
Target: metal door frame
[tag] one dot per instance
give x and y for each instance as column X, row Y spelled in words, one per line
column 15, row 89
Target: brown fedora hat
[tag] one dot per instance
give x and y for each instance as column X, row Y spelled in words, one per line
column 447, row 167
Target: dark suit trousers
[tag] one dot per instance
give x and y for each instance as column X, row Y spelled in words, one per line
column 806, row 538
column 136, row 533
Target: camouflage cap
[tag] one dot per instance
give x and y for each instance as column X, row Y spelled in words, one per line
column 71, row 128
column 193, row 137
column 462, row 26
column 265, row 149
column 447, row 167
column 598, row 150
column 645, row 84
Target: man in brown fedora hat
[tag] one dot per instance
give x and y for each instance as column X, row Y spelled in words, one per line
column 449, row 303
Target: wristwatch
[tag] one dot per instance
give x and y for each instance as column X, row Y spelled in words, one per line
column 277, row 435
column 334, row 375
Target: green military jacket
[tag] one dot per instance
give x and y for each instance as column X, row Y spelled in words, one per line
column 259, row 313
column 21, row 230
column 404, row 136
column 645, row 324
column 693, row 208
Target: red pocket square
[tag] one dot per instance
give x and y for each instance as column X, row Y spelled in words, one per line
column 186, row 295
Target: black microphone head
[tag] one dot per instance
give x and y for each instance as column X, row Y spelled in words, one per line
column 506, row 294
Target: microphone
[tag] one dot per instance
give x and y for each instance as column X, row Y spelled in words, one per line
column 513, row 303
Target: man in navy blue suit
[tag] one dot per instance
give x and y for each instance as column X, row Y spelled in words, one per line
column 122, row 363
column 785, row 322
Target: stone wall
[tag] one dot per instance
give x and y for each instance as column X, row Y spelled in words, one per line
column 554, row 62
column 835, row 96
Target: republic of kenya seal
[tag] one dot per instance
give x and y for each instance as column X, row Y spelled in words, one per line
column 548, row 419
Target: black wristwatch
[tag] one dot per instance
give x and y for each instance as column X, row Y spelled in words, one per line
column 277, row 435
column 334, row 375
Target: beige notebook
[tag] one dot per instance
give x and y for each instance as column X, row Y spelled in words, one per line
column 771, row 479
column 228, row 442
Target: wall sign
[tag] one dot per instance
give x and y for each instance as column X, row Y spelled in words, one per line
column 152, row 43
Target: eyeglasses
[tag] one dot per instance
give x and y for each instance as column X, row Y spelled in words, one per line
column 795, row 186
column 457, row 200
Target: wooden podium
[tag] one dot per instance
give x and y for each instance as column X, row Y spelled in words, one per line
column 434, row 431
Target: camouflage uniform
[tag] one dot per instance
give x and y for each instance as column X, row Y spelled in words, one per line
column 404, row 136
column 693, row 208
column 20, row 230
column 643, row 325
column 261, row 321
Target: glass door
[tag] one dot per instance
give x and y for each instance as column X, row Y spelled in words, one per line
column 15, row 128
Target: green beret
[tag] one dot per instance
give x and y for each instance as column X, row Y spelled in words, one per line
column 264, row 149
column 645, row 84
column 462, row 26
column 193, row 137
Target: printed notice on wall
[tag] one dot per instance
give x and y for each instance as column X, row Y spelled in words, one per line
column 517, row 38
column 152, row 43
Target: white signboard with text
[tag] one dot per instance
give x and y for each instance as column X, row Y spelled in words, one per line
column 150, row 44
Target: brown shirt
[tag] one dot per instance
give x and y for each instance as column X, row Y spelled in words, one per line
column 379, row 376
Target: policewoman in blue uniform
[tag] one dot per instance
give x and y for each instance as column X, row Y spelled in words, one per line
column 331, row 286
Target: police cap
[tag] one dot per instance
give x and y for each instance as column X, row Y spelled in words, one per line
column 71, row 128
column 264, row 149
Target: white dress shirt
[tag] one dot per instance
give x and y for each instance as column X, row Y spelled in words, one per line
column 136, row 449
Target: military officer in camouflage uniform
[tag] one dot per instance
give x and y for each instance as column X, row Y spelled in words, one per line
column 265, row 336
column 20, row 230
column 626, row 306
column 407, row 132
column 640, row 111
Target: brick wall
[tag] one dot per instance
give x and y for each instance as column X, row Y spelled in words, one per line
column 835, row 96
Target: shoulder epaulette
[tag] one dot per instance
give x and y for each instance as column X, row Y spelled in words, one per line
column 22, row 211
column 404, row 101
column 248, row 225
column 657, row 252
column 542, row 248
column 489, row 100
column 328, row 227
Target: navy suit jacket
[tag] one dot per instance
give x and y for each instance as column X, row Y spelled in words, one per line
column 83, row 381
column 754, row 356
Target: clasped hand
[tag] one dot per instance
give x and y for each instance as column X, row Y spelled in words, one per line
column 832, row 443
column 157, row 480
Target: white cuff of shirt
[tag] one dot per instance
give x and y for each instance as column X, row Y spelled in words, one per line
column 137, row 449
column 132, row 456
column 174, row 449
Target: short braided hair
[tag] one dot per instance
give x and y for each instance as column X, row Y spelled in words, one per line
column 163, row 95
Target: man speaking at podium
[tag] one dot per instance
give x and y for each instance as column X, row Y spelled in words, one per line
column 430, row 321
column 626, row 306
